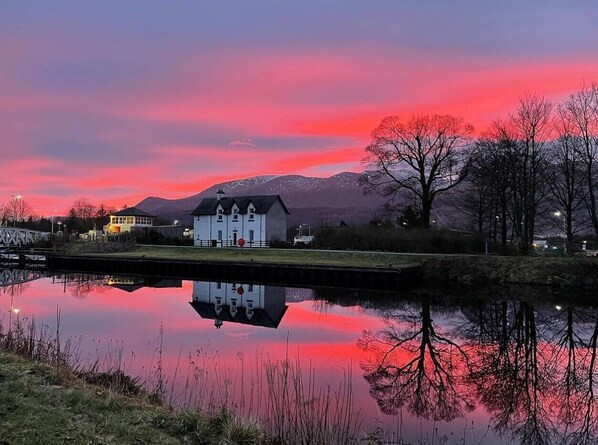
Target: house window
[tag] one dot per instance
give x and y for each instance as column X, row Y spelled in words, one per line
column 250, row 288
column 235, row 217
column 219, row 217
column 218, row 285
column 251, row 236
column 251, row 216
column 220, row 235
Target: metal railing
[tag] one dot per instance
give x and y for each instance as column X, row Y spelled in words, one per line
column 247, row 244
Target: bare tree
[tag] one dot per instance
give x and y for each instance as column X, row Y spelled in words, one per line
column 17, row 209
column 82, row 214
column 564, row 176
column 533, row 127
column 494, row 164
column 424, row 155
column 582, row 110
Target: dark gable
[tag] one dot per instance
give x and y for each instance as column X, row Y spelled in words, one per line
column 262, row 204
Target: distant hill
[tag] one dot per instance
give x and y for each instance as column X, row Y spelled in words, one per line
column 312, row 201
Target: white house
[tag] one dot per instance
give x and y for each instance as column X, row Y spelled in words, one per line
column 256, row 305
column 252, row 221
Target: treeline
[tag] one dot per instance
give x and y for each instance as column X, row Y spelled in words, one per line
column 81, row 217
column 536, row 168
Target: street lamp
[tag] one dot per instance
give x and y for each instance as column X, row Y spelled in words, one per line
column 558, row 214
column 60, row 227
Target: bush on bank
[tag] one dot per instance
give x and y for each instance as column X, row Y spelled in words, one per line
column 391, row 239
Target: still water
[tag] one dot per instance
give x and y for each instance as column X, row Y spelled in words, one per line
column 487, row 366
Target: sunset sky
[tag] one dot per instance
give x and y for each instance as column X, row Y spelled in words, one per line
column 119, row 100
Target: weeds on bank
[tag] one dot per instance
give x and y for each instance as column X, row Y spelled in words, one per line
column 279, row 404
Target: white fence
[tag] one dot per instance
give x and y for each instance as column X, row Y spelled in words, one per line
column 17, row 237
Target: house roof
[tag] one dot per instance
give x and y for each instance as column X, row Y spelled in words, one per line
column 132, row 211
column 262, row 204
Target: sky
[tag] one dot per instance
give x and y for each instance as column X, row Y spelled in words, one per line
column 115, row 101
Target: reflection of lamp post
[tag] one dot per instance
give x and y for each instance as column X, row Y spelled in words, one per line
column 12, row 310
column 15, row 198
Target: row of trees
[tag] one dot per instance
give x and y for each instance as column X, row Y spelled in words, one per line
column 81, row 217
column 536, row 165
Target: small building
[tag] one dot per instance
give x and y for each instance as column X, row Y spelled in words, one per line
column 251, row 221
column 127, row 220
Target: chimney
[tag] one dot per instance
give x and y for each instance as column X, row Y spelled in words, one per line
column 219, row 194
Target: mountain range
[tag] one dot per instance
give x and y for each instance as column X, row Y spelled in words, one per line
column 311, row 201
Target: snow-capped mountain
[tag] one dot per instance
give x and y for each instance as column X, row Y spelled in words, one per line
column 312, row 201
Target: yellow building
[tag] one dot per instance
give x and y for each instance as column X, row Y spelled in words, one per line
column 127, row 220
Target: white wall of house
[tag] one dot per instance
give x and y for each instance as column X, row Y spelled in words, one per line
column 276, row 224
column 254, row 228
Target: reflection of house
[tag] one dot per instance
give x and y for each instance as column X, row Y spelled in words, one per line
column 131, row 284
column 239, row 303
column 223, row 221
column 129, row 219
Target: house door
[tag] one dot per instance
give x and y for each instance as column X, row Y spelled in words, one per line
column 235, row 238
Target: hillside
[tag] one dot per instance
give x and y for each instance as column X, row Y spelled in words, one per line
column 312, row 201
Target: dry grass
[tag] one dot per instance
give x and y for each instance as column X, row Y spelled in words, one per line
column 47, row 397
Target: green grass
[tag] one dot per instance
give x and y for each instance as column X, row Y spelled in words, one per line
column 276, row 256
column 37, row 407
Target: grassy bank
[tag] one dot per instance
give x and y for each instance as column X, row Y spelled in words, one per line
column 276, row 256
column 48, row 397
column 41, row 406
column 466, row 269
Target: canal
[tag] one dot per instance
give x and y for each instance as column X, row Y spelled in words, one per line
column 422, row 366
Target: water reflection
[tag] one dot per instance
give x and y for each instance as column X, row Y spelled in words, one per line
column 532, row 368
column 519, row 360
column 131, row 284
column 257, row 305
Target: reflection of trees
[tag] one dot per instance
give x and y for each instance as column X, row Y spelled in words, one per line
column 14, row 290
column 415, row 365
column 79, row 285
column 577, row 357
column 511, row 375
column 533, row 369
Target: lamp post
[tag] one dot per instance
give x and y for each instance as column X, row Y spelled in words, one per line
column 558, row 214
column 60, row 226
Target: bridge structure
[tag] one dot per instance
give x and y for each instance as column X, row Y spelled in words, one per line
column 10, row 277
column 19, row 237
